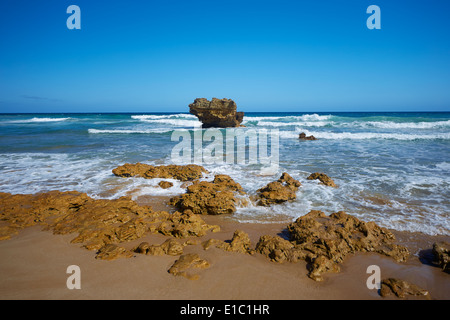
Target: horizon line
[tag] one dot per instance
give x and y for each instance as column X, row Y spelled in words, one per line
column 185, row 112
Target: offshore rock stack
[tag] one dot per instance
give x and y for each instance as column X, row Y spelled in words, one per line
column 217, row 113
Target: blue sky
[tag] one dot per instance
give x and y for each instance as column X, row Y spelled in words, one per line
column 158, row 56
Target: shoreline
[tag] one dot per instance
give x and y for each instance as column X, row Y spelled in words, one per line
column 33, row 266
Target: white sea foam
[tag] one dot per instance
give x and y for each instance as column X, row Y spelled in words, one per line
column 401, row 125
column 129, row 131
column 305, row 117
column 175, row 122
column 295, row 124
column 364, row 135
column 443, row 166
column 33, row 120
column 158, row 117
column 315, row 120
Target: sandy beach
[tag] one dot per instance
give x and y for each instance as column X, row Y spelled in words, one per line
column 225, row 150
column 33, row 266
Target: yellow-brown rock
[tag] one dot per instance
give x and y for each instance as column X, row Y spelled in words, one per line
column 185, row 224
column 323, row 178
column 324, row 242
column 217, row 113
column 278, row 191
column 95, row 223
column 187, row 262
column 279, row 250
column 214, row 198
column 240, row 242
column 165, row 184
column 336, row 236
column 170, row 247
column 112, row 252
column 321, row 265
column 401, row 288
column 178, row 172
column 441, row 252
column 303, row 136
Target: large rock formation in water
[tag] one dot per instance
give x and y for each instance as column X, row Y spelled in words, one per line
column 217, row 113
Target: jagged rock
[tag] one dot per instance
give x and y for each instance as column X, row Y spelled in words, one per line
column 278, row 191
column 239, row 243
column 186, row 262
column 302, row 136
column 326, row 180
column 185, row 224
column 165, row 184
column 401, row 288
column 205, row 197
column 179, row 172
column 279, row 250
column 142, row 248
column 320, row 265
column 7, row 232
column 131, row 230
column 96, row 222
column 218, row 113
column 336, row 236
column 324, row 241
column 112, row 252
column 441, row 252
column 170, row 247
column 225, row 182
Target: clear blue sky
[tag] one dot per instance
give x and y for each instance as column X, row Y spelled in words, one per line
column 158, row 56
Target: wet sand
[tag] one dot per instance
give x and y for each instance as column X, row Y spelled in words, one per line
column 33, row 265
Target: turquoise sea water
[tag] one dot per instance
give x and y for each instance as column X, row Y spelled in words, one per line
column 391, row 168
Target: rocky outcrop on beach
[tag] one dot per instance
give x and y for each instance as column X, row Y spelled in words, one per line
column 179, row 172
column 217, row 113
column 103, row 225
column 323, row 178
column 278, row 191
column 441, row 252
column 182, row 225
column 302, row 136
column 169, row 247
column 401, row 289
column 239, row 243
column 112, row 252
column 334, row 237
column 324, row 241
column 100, row 224
column 279, row 250
column 204, row 197
column 187, row 262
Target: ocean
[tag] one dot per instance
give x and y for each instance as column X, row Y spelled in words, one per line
column 391, row 168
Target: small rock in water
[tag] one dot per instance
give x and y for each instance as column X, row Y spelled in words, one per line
column 322, row 177
column 302, row 136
